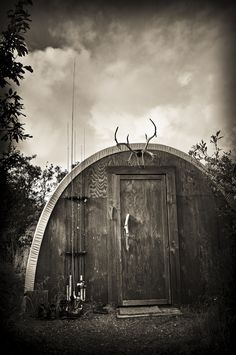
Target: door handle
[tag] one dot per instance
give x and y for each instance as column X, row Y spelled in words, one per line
column 126, row 231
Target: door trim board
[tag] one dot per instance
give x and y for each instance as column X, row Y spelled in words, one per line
column 114, row 240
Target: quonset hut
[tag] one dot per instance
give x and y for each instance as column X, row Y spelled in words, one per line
column 136, row 234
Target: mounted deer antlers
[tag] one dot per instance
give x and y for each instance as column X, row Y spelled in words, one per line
column 138, row 152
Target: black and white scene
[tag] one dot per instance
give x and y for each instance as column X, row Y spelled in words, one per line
column 117, row 177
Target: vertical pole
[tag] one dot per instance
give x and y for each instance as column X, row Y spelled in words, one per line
column 81, row 216
column 84, row 143
column 72, row 118
column 68, row 148
column 75, row 144
column 72, row 187
column 70, row 286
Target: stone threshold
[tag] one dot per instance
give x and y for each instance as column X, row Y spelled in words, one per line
column 146, row 311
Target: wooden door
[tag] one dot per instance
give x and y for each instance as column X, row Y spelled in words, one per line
column 144, row 243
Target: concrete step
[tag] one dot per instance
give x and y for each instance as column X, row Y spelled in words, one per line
column 146, row 311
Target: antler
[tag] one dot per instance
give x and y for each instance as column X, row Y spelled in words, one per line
column 154, row 135
column 126, row 144
column 138, row 152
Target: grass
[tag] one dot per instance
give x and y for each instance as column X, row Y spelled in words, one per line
column 202, row 329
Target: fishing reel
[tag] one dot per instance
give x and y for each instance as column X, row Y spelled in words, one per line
column 81, row 289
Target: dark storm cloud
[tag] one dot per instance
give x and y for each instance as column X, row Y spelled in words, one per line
column 46, row 14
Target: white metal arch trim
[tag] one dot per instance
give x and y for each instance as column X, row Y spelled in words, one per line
column 46, row 213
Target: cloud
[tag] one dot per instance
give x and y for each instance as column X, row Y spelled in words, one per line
column 185, row 78
column 169, row 69
column 48, row 101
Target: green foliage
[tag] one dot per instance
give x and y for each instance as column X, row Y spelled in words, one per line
column 12, row 46
column 25, row 190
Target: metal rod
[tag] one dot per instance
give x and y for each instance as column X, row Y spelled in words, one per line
column 72, row 185
column 68, row 149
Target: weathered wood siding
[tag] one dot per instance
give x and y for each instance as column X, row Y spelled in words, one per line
column 145, row 265
column 196, row 218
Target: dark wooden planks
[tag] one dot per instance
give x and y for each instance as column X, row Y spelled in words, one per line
column 194, row 225
column 144, row 269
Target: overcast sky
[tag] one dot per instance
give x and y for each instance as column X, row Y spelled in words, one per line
column 172, row 62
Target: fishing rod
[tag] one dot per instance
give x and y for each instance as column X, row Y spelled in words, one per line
column 76, row 288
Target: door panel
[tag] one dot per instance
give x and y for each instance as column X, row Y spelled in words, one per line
column 145, row 271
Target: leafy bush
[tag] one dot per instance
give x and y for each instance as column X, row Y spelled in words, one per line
column 27, row 188
column 221, row 171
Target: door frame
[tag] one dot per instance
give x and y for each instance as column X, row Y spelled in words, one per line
column 114, row 230
column 165, row 256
